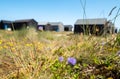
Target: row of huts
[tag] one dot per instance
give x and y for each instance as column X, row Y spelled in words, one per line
column 27, row 23
column 86, row 26
column 17, row 24
column 54, row 26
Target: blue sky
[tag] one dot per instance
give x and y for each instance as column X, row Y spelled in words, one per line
column 66, row 11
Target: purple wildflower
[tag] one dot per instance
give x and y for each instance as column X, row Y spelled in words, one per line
column 71, row 60
column 61, row 59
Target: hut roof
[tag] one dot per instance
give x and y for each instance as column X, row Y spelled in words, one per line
column 25, row 20
column 6, row 21
column 91, row 21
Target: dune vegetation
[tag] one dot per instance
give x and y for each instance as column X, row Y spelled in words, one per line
column 30, row 54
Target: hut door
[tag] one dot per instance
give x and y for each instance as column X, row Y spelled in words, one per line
column 55, row 28
column 5, row 27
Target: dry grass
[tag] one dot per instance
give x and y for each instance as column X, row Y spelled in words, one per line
column 31, row 55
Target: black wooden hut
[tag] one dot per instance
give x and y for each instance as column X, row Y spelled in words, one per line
column 6, row 25
column 68, row 27
column 91, row 26
column 25, row 23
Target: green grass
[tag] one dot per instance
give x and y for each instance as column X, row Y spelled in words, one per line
column 30, row 54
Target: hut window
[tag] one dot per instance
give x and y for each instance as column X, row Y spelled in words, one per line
column 97, row 29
